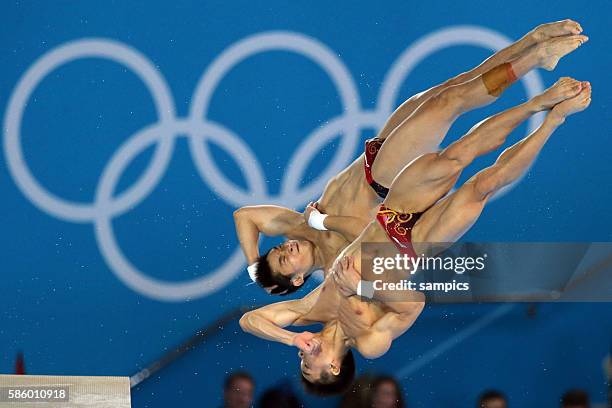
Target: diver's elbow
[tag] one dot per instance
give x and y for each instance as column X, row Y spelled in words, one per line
column 238, row 213
column 245, row 322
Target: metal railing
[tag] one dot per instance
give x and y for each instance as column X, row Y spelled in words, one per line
column 195, row 340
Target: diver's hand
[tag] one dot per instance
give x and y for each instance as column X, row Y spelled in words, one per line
column 346, row 276
column 314, row 217
column 312, row 206
column 306, row 342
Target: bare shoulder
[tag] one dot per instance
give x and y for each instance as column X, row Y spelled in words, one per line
column 374, row 344
column 377, row 340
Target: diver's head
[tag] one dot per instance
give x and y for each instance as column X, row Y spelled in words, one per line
column 285, row 268
column 327, row 370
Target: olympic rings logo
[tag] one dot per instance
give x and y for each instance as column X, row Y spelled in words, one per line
column 197, row 128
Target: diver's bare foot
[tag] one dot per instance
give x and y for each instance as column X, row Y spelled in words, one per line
column 576, row 104
column 551, row 51
column 563, row 89
column 555, row 29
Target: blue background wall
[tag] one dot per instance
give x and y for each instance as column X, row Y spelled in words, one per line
column 62, row 302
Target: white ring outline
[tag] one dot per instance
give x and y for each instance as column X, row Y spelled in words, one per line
column 130, row 275
column 86, row 48
column 230, row 58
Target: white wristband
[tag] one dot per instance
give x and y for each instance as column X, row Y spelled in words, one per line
column 316, row 219
column 365, row 289
column 252, row 269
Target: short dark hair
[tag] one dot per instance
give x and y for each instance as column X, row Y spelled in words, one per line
column 279, row 397
column 490, row 395
column 266, row 278
column 238, row 375
column 333, row 384
column 575, row 398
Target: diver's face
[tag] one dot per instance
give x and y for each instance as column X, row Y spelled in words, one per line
column 322, row 359
column 293, row 259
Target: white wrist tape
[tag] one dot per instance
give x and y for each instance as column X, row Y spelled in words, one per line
column 315, row 220
column 252, row 269
column 365, row 289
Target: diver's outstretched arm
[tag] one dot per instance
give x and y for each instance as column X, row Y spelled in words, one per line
column 269, row 322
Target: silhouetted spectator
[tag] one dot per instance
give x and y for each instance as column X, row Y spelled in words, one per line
column 575, row 399
column 281, row 396
column 370, row 391
column 360, row 394
column 492, row 399
column 386, row 393
column 238, row 390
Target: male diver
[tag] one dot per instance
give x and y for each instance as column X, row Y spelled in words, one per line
column 351, row 199
column 417, row 211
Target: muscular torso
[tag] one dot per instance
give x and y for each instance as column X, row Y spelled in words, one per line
column 355, row 316
column 329, row 243
column 330, row 304
column 373, row 233
column 348, row 194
